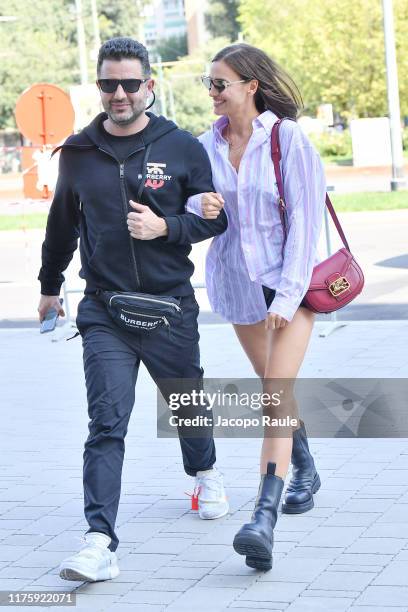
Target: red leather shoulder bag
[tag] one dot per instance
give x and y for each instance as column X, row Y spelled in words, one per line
column 337, row 280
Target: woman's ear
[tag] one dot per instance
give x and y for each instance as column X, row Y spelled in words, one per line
column 253, row 86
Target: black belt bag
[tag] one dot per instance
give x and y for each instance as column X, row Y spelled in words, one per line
column 141, row 311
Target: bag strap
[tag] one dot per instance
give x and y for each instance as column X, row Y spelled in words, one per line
column 276, row 157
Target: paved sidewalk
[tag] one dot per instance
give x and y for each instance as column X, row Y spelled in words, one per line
column 349, row 553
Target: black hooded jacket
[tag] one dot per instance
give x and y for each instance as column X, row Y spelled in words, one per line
column 91, row 201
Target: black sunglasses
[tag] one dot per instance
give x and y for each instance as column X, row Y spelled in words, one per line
column 219, row 84
column 128, row 85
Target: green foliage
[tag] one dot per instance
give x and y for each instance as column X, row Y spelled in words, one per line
column 333, row 50
column 333, row 143
column 170, row 49
column 192, row 103
column 37, row 47
column 192, row 106
column 222, row 19
column 41, row 45
column 118, row 18
column 405, row 138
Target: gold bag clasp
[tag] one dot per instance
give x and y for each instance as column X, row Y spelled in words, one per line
column 339, row 286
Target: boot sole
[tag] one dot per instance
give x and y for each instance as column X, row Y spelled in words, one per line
column 259, row 564
column 305, row 506
column 250, row 545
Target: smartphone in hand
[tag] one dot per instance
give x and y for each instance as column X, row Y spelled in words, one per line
column 50, row 320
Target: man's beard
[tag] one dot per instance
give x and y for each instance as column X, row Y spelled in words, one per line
column 122, row 119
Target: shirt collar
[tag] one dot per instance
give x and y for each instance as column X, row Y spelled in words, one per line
column 265, row 120
column 218, row 127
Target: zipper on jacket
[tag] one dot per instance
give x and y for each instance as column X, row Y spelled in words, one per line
column 126, row 208
column 147, row 299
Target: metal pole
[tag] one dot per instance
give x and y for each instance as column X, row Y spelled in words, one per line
column 163, row 102
column 394, row 112
column 42, row 98
column 140, row 5
column 171, row 99
column 81, row 43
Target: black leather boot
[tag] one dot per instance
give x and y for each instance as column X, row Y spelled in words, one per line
column 255, row 539
column 305, row 480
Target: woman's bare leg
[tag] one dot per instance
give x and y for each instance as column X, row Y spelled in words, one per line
column 276, row 356
column 254, row 341
column 277, row 353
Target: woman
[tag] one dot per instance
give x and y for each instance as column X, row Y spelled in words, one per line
column 249, row 281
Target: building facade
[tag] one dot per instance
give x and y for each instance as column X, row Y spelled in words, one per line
column 167, row 18
column 164, row 19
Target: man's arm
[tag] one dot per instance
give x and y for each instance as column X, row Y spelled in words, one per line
column 61, row 238
column 189, row 228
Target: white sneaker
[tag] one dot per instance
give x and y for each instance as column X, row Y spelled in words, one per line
column 212, row 500
column 93, row 562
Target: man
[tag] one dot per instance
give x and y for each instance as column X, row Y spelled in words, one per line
column 122, row 187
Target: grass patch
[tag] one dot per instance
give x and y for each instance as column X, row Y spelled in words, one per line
column 22, row 222
column 367, row 201
column 349, row 202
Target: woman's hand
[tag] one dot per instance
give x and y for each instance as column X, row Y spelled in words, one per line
column 211, row 205
column 275, row 321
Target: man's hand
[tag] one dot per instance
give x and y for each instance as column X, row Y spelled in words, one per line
column 143, row 224
column 275, row 321
column 211, row 205
column 47, row 302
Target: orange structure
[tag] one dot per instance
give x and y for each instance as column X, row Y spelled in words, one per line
column 45, row 116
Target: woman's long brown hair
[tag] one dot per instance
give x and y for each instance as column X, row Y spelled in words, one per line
column 276, row 90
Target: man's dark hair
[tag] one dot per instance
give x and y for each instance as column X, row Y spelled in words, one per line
column 124, row 48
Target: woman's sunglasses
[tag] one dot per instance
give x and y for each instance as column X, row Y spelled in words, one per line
column 128, row 85
column 219, row 84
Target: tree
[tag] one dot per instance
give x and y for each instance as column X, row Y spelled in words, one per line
column 41, row 45
column 333, row 50
column 170, row 49
column 192, row 103
column 221, row 19
column 35, row 48
column 120, row 18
